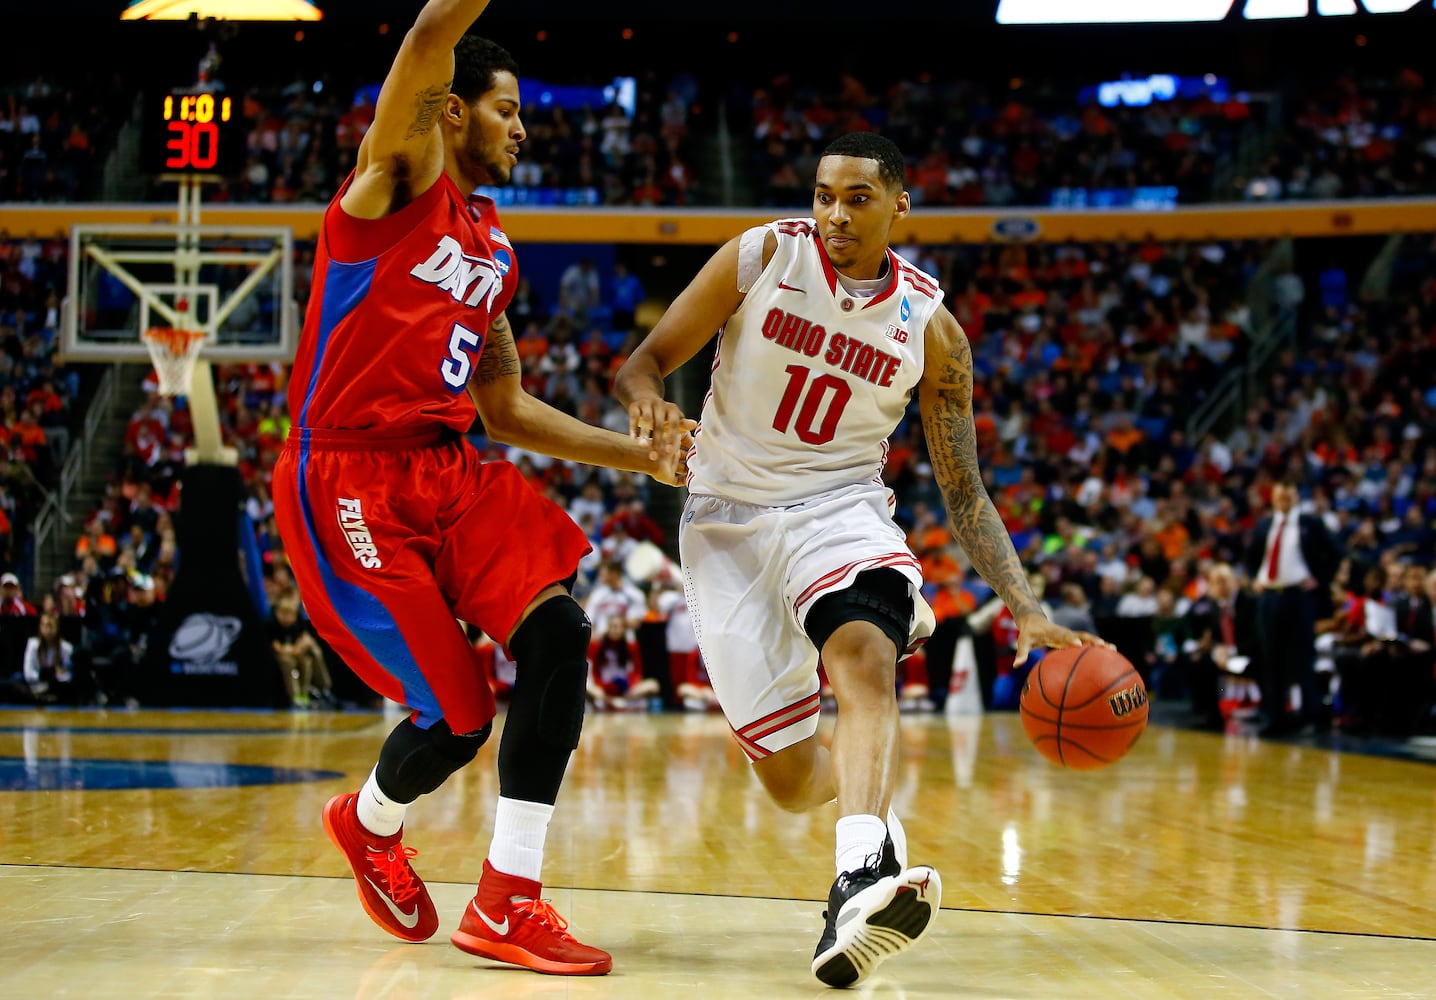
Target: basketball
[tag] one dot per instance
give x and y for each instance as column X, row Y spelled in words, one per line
column 1083, row 707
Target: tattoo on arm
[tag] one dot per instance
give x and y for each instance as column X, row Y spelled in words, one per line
column 499, row 359
column 972, row 519
column 426, row 115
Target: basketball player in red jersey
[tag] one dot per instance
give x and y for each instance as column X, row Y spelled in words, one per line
column 788, row 545
column 395, row 528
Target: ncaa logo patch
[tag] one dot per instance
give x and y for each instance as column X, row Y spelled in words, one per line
column 503, row 261
column 904, row 311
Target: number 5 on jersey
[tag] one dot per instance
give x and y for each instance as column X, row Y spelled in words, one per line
column 464, row 346
column 815, row 396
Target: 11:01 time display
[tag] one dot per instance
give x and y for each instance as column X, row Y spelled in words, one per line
column 193, row 124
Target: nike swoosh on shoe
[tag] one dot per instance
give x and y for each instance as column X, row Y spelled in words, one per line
column 409, row 920
column 502, row 930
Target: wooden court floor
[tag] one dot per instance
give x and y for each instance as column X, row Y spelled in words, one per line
column 180, row 854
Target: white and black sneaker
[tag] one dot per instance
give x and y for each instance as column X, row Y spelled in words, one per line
column 873, row 914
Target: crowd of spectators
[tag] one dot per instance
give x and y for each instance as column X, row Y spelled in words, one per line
column 1090, row 359
column 1130, row 525
column 54, row 137
column 36, row 392
column 1016, row 143
column 969, row 142
column 1351, row 137
column 303, row 138
column 973, row 144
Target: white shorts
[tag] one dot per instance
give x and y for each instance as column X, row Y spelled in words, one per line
column 753, row 573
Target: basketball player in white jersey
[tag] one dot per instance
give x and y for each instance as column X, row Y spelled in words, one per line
column 788, row 546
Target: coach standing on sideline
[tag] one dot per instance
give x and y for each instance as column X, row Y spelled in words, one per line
column 1290, row 556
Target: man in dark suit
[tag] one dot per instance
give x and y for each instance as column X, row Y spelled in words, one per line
column 1291, row 558
column 1223, row 624
column 1410, row 656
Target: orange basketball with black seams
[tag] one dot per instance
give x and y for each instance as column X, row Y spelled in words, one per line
column 1084, row 707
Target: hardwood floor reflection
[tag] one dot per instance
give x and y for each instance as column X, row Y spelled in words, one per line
column 1200, row 865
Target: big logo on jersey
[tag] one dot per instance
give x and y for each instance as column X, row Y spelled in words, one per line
column 842, row 351
column 468, row 279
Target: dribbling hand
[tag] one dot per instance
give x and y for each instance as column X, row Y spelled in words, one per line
column 1039, row 630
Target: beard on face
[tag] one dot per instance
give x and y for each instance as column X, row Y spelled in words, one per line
column 499, row 171
column 492, row 161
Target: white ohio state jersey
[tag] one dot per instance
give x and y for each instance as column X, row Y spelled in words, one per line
column 808, row 381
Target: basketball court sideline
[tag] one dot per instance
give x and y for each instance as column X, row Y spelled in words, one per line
column 180, row 854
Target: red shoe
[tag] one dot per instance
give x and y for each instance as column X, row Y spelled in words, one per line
column 393, row 896
column 508, row 922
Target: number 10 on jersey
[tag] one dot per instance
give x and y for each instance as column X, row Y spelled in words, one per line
column 826, row 392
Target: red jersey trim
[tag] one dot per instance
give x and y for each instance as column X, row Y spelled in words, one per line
column 920, row 280
column 893, row 272
column 829, row 581
column 784, row 716
column 829, row 272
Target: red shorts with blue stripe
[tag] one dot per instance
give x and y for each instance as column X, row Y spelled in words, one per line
column 392, row 541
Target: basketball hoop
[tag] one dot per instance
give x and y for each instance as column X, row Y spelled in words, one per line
column 174, row 353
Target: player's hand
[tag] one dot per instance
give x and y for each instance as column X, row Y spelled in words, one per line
column 1039, row 630
column 657, row 423
column 671, row 461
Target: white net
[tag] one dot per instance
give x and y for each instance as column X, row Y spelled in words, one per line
column 174, row 353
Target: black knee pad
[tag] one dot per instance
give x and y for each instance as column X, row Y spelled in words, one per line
column 416, row 761
column 550, row 652
column 880, row 596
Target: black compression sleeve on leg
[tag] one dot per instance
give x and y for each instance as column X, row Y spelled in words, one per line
column 879, row 596
column 545, row 714
column 416, row 761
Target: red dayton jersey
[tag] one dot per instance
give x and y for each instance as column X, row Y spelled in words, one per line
column 398, row 313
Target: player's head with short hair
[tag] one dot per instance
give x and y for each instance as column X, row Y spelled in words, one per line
column 857, row 196
column 482, row 129
column 892, row 168
column 477, row 61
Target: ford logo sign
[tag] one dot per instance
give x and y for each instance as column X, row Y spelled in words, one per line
column 1015, row 228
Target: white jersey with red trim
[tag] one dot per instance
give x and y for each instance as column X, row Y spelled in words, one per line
column 808, row 380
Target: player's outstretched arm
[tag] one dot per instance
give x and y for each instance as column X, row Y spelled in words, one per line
column 402, row 154
column 945, row 396
column 512, row 416
column 695, row 316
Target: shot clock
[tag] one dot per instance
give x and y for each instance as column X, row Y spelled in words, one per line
column 187, row 132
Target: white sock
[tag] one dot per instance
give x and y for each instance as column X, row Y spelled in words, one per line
column 859, row 838
column 519, row 832
column 378, row 814
column 899, row 836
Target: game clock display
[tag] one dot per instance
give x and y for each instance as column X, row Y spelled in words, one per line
column 192, row 133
